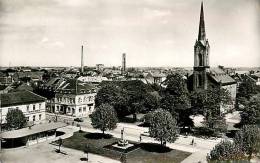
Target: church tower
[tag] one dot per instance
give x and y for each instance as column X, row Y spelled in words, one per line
column 201, row 56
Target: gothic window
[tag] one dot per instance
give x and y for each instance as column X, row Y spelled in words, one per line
column 199, row 80
column 200, row 60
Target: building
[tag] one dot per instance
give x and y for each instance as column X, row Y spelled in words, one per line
column 5, row 79
column 155, row 77
column 123, row 69
column 100, row 67
column 256, row 77
column 73, row 98
column 31, row 104
column 30, row 135
column 92, row 79
column 203, row 76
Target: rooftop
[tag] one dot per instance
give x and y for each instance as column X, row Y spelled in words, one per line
column 20, row 97
column 33, row 130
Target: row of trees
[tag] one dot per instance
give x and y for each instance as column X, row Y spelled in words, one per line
column 246, row 143
column 132, row 97
column 163, row 127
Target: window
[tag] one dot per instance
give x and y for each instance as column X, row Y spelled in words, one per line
column 34, row 118
column 27, row 119
column 200, row 60
column 27, row 108
column 73, row 111
column 80, row 100
column 80, row 109
column 84, row 109
column 40, row 106
column 40, row 116
column 33, row 107
column 200, row 81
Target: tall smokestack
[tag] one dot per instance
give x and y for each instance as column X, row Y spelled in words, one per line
column 82, row 60
column 123, row 63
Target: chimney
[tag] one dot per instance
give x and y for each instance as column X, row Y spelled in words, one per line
column 82, row 60
column 123, row 69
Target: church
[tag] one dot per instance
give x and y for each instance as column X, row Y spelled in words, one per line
column 203, row 76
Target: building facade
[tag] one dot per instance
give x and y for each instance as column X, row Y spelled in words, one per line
column 31, row 104
column 73, row 98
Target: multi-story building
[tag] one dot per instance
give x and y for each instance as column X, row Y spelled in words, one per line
column 73, row 98
column 31, row 104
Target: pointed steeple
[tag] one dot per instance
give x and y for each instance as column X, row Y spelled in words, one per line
column 202, row 32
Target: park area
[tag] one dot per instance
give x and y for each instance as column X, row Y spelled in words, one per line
column 140, row 153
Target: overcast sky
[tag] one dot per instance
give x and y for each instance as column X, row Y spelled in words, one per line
column 150, row 32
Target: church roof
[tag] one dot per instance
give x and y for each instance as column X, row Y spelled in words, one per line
column 219, row 76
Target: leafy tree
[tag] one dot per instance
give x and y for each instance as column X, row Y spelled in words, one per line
column 127, row 97
column 163, row 126
column 248, row 138
column 176, row 99
column 104, row 118
column 15, row 119
column 208, row 103
column 251, row 112
column 226, row 150
column 109, row 93
column 246, row 89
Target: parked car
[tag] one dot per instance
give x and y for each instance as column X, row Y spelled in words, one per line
column 78, row 120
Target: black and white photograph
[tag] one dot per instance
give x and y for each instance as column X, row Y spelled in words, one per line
column 129, row 81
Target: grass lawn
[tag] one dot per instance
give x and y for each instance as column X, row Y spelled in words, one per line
column 146, row 153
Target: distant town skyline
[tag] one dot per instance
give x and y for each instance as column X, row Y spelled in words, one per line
column 152, row 33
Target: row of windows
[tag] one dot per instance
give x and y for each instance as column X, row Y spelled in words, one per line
column 27, row 108
column 84, row 109
column 34, row 107
column 34, row 117
column 72, row 100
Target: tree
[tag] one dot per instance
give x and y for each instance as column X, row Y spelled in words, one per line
column 246, row 90
column 104, row 118
column 248, row 138
column 15, row 119
column 226, row 150
column 251, row 112
column 176, row 99
column 163, row 126
column 208, row 103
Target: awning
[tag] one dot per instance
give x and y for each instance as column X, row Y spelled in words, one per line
column 33, row 130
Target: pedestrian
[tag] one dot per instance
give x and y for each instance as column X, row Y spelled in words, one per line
column 192, row 142
column 140, row 138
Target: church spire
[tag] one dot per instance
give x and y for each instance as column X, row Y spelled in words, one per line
column 202, row 32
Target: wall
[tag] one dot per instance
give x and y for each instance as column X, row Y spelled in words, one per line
column 28, row 111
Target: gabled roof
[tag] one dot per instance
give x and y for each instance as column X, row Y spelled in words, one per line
column 219, row 76
column 19, row 98
column 74, row 86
